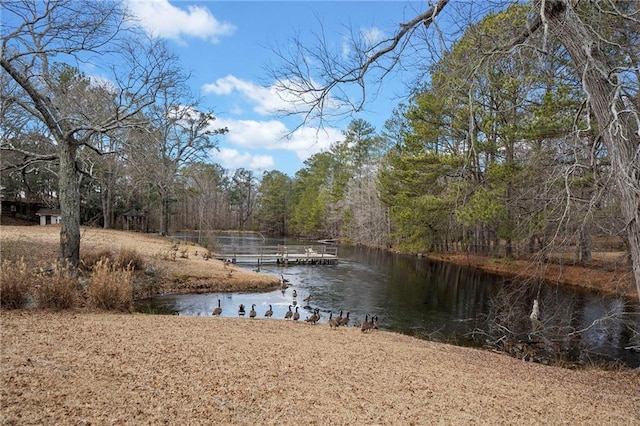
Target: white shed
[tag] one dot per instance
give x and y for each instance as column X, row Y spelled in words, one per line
column 49, row 216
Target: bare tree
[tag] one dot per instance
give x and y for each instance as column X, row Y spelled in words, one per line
column 39, row 35
column 178, row 134
column 602, row 57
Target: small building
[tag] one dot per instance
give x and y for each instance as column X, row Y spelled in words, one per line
column 134, row 220
column 49, row 216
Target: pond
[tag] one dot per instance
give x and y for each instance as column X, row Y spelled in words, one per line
column 438, row 301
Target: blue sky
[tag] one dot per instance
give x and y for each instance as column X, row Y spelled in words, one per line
column 226, row 46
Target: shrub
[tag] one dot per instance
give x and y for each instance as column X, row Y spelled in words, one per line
column 59, row 289
column 91, row 258
column 15, row 281
column 111, row 287
column 129, row 258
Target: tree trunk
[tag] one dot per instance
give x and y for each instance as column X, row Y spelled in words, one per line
column 164, row 219
column 69, row 204
column 620, row 137
column 107, row 208
column 583, row 246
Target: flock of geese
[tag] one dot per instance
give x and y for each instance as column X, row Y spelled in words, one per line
column 369, row 323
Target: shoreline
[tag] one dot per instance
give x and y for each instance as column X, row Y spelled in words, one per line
column 91, row 367
column 189, row 272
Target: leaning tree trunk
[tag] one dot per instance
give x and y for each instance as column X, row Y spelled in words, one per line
column 69, row 203
column 619, row 132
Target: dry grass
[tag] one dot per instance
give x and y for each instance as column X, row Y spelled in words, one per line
column 606, row 274
column 14, row 289
column 188, row 272
column 79, row 367
column 58, row 288
column 85, row 368
column 111, row 287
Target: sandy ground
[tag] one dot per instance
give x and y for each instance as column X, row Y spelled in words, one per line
column 92, row 368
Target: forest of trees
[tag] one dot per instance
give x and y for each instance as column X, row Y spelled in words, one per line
column 498, row 151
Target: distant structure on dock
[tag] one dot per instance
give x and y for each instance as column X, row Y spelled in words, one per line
column 281, row 255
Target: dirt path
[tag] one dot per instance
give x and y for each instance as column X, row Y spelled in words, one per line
column 92, row 368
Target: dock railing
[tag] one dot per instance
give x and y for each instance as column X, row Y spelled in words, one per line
column 281, row 254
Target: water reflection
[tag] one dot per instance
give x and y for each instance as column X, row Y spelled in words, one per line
column 415, row 296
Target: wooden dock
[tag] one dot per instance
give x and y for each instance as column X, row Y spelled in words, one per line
column 281, row 255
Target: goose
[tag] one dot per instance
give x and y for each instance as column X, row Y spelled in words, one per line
column 307, row 299
column 284, row 280
column 366, row 325
column 252, row 312
column 339, row 318
column 288, row 314
column 295, row 293
column 315, row 317
column 345, row 320
column 374, row 322
column 217, row 311
column 269, row 312
column 241, row 310
column 332, row 322
column 296, row 315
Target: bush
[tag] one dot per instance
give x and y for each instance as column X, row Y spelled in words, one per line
column 59, row 289
column 15, row 281
column 129, row 258
column 90, row 259
column 111, row 287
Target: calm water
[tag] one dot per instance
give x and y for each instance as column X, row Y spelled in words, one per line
column 434, row 300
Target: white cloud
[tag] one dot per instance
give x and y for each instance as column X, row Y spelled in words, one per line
column 366, row 39
column 233, row 159
column 286, row 96
column 307, row 141
column 162, row 19
column 371, row 36
column 274, row 135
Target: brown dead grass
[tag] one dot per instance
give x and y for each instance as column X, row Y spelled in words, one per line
column 607, row 274
column 86, row 368
column 79, row 367
column 190, row 274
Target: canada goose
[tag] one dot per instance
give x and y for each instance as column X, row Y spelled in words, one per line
column 269, row 312
column 366, row 325
column 296, row 315
column 307, row 299
column 339, row 318
column 374, row 322
column 332, row 322
column 315, row 317
column 288, row 314
column 241, row 310
column 295, row 302
column 345, row 320
column 295, row 293
column 252, row 312
column 284, row 280
column 217, row 311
